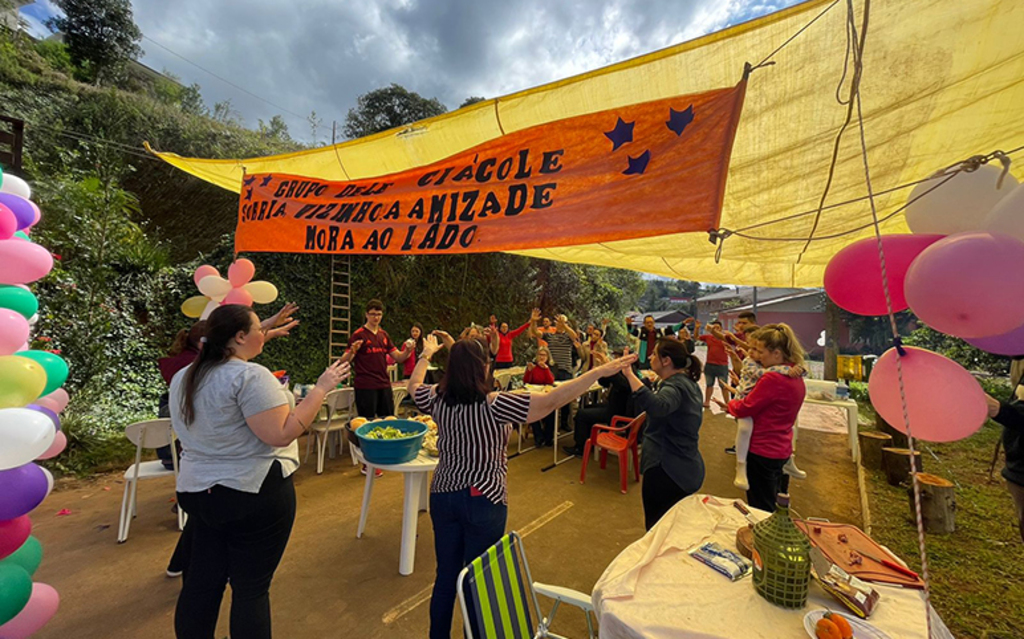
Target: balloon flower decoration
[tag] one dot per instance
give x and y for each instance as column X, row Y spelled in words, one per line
column 238, row 288
column 959, row 272
column 31, row 399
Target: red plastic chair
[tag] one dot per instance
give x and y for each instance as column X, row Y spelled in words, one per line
column 607, row 439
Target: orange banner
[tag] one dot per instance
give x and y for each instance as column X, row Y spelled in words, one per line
column 637, row 171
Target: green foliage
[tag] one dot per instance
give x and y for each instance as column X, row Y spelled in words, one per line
column 276, row 129
column 473, row 99
column 56, row 55
column 387, row 108
column 100, row 35
column 959, row 351
column 656, row 295
column 191, row 100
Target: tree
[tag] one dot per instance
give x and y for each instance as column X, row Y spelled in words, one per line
column 387, row 108
column 225, row 112
column 101, row 35
column 191, row 100
column 276, row 129
column 314, row 127
column 473, row 99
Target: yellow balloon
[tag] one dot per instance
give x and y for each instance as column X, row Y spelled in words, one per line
column 193, row 306
column 262, row 292
column 22, row 381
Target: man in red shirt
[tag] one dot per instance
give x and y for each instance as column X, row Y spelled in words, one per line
column 368, row 351
column 717, row 365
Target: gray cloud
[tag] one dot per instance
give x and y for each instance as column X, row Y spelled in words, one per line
column 320, row 55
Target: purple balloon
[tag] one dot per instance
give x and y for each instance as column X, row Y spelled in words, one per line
column 22, row 209
column 21, row 490
column 1011, row 344
column 46, row 411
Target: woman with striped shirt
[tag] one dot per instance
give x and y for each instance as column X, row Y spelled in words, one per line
column 468, row 496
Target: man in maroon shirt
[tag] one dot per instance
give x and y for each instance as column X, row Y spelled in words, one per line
column 368, row 351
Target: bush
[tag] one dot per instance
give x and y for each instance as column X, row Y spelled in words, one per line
column 959, row 351
column 56, row 55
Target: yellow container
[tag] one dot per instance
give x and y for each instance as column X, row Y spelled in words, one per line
column 850, row 367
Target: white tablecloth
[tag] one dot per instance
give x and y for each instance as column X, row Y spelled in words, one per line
column 655, row 590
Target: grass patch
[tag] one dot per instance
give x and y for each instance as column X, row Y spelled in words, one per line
column 975, row 581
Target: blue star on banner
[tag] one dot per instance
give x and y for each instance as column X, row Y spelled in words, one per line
column 248, row 180
column 622, row 133
column 248, row 195
column 678, row 120
column 266, row 180
column 637, row 165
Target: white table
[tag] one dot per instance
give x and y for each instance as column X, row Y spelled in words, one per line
column 558, row 419
column 655, row 590
column 829, row 388
column 417, row 499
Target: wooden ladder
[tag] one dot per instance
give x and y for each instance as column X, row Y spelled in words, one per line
column 341, row 306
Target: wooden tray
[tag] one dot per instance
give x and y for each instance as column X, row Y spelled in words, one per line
column 825, row 536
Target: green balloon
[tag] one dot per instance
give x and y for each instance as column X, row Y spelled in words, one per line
column 29, row 556
column 15, row 591
column 23, row 235
column 18, row 300
column 54, row 365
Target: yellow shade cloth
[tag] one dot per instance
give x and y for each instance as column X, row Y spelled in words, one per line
column 942, row 81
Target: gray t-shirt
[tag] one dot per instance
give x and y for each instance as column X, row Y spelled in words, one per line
column 219, row 447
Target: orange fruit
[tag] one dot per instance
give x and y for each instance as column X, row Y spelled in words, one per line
column 844, row 626
column 827, row 629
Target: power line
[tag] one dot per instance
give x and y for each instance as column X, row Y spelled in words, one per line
column 224, row 80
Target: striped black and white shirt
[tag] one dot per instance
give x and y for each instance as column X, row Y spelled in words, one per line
column 561, row 347
column 472, row 441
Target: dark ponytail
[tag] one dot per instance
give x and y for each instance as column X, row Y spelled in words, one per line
column 223, row 324
column 673, row 349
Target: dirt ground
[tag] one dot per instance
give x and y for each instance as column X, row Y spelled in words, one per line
column 331, row 584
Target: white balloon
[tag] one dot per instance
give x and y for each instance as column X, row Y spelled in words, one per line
column 24, row 435
column 49, row 480
column 32, row 320
column 16, row 186
column 1007, row 218
column 212, row 304
column 215, row 287
column 959, row 204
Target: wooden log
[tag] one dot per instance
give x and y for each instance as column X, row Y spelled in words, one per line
column 871, row 445
column 899, row 440
column 896, row 464
column 938, row 503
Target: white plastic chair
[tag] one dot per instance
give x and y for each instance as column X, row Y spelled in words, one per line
column 339, row 404
column 146, row 435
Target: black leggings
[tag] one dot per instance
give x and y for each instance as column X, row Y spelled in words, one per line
column 766, row 479
column 238, row 536
column 375, row 402
column 659, row 493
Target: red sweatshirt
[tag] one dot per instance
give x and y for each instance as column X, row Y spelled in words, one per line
column 539, row 376
column 505, row 343
column 773, row 404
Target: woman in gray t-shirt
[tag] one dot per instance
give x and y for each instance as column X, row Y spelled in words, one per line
column 238, row 435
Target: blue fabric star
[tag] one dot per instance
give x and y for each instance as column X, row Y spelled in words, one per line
column 248, row 195
column 637, row 165
column 266, row 180
column 249, row 180
column 678, row 120
column 622, row 133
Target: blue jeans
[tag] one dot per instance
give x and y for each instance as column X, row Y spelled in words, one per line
column 464, row 527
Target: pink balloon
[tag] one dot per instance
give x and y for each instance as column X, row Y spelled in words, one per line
column 14, row 330
column 13, row 533
column 240, row 272
column 8, row 223
column 203, row 271
column 35, row 219
column 58, row 397
column 853, row 277
column 41, row 607
column 60, row 441
column 944, row 402
column 23, row 262
column 238, row 296
column 969, row 285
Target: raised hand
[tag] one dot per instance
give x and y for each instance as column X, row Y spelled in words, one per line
column 332, row 376
column 283, row 316
column 616, row 365
column 431, row 345
column 282, row 331
column 535, row 315
column 356, row 345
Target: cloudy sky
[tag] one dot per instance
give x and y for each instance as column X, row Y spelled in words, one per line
column 320, row 55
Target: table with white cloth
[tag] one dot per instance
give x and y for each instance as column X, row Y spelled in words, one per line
column 655, row 590
column 416, row 474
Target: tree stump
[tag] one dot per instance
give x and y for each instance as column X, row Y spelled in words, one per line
column 896, row 464
column 938, row 503
column 871, row 445
column 899, row 440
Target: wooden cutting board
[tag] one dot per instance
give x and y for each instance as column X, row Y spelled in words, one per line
column 826, row 537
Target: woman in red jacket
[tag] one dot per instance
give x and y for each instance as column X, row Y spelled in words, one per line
column 773, row 404
column 504, row 357
column 539, row 373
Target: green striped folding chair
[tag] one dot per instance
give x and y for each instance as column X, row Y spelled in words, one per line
column 493, row 595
